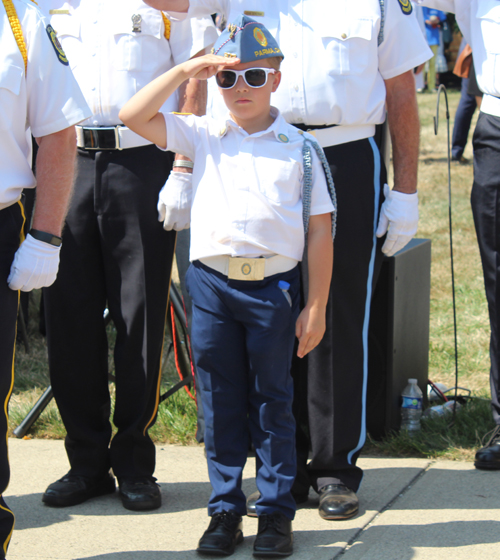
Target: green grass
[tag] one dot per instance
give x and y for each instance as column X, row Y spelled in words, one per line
column 177, row 416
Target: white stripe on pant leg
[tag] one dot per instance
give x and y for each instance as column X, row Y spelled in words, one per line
column 376, row 184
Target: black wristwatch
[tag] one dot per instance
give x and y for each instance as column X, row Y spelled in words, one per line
column 46, row 237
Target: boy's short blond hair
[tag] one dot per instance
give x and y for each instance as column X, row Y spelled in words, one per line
column 275, row 62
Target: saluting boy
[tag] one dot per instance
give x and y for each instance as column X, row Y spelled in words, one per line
column 247, row 237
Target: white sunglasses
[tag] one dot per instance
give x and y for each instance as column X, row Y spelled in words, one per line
column 254, row 77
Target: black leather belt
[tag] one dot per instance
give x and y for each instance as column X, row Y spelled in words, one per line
column 99, row 138
column 306, row 127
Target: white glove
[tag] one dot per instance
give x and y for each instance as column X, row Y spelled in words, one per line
column 174, row 201
column 35, row 265
column 398, row 218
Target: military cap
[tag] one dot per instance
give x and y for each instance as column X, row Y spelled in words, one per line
column 247, row 40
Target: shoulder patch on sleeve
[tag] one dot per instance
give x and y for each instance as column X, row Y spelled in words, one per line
column 406, row 7
column 57, row 45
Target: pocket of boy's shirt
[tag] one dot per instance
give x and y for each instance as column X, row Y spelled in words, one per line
column 280, row 181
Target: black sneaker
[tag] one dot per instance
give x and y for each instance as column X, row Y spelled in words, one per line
column 274, row 536
column 488, row 457
column 73, row 489
column 223, row 534
column 140, row 494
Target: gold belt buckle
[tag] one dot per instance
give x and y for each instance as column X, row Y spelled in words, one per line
column 241, row 268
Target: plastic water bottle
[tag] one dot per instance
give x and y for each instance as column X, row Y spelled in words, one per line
column 441, row 409
column 411, row 407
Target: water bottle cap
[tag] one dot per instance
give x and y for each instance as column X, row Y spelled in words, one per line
column 282, row 285
column 412, row 381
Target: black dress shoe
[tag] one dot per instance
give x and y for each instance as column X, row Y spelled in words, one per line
column 140, row 494
column 274, row 536
column 223, row 534
column 252, row 500
column 488, row 457
column 336, row 501
column 73, row 489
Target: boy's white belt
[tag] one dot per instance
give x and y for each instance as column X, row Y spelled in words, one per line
column 243, row 268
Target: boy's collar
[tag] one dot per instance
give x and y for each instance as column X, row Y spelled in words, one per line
column 279, row 127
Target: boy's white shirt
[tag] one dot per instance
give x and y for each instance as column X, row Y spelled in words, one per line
column 247, row 189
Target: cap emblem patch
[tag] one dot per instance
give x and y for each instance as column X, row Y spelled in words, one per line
column 260, row 37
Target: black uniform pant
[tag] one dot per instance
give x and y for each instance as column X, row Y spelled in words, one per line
column 11, row 224
column 114, row 253
column 331, row 420
column 485, row 201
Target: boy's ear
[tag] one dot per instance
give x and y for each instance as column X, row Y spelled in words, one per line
column 276, row 81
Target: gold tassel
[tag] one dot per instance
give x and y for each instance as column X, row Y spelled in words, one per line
column 167, row 23
column 16, row 29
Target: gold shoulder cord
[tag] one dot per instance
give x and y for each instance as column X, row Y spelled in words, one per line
column 16, row 29
column 167, row 23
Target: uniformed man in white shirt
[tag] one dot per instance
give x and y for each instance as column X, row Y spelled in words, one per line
column 31, row 62
column 346, row 62
column 479, row 21
column 115, row 252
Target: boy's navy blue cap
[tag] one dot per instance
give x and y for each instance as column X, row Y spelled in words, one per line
column 247, row 40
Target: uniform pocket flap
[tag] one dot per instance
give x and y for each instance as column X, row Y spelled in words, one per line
column 355, row 29
column 11, row 78
column 143, row 21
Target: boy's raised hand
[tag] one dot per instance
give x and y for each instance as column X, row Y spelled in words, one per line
column 204, row 67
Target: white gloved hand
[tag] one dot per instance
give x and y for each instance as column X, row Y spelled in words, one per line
column 174, row 201
column 35, row 265
column 398, row 218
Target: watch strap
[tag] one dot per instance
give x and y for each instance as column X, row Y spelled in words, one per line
column 46, row 237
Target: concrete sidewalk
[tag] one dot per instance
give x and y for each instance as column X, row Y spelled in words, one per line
column 410, row 509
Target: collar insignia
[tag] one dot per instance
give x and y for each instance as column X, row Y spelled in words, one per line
column 136, row 23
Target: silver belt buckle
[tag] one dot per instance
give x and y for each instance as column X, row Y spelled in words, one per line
column 89, row 137
column 241, row 268
column 117, row 138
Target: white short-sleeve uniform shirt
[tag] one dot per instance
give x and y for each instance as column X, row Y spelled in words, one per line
column 45, row 98
column 116, row 47
column 334, row 70
column 247, row 188
column 479, row 21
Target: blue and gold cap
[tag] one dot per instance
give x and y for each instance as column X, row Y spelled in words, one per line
column 247, row 40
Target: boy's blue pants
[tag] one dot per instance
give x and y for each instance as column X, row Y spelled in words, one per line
column 243, row 335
